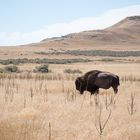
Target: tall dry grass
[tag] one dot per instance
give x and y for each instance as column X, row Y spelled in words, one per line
column 47, row 107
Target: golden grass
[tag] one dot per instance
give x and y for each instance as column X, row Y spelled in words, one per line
column 50, row 108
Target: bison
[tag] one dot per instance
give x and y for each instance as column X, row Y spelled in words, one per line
column 95, row 79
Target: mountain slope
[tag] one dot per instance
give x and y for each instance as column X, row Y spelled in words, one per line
column 126, row 31
column 123, row 36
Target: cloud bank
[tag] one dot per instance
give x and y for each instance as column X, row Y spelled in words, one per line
column 56, row 30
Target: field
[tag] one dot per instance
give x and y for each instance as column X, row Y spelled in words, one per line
column 36, row 106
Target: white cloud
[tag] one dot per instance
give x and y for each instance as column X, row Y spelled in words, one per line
column 55, row 30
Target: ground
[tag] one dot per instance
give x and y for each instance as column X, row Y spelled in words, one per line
column 47, row 106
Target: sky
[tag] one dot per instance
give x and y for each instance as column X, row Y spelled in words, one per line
column 29, row 21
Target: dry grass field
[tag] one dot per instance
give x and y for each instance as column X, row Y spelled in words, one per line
column 36, row 106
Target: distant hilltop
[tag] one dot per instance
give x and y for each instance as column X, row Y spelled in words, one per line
column 126, row 31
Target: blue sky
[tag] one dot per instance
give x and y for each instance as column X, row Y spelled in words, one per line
column 24, row 19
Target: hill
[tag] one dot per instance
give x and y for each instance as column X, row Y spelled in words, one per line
column 126, row 31
column 123, row 36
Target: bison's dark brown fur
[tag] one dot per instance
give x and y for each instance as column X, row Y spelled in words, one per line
column 93, row 80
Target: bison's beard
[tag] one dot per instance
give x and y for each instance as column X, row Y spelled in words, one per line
column 81, row 92
column 116, row 91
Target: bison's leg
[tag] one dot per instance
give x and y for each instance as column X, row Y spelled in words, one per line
column 115, row 89
column 96, row 99
column 97, row 92
column 91, row 99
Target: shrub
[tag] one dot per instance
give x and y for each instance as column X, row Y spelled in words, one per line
column 106, row 59
column 11, row 68
column 42, row 69
column 72, row 71
column 1, row 70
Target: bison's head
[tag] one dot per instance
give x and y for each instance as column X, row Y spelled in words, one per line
column 80, row 84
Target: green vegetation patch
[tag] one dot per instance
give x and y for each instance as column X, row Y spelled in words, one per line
column 104, row 53
column 94, row 53
column 42, row 69
column 11, row 68
column 70, row 71
column 41, row 61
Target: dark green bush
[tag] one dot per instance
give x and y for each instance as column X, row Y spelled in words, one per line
column 70, row 71
column 1, row 70
column 11, row 68
column 42, row 69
